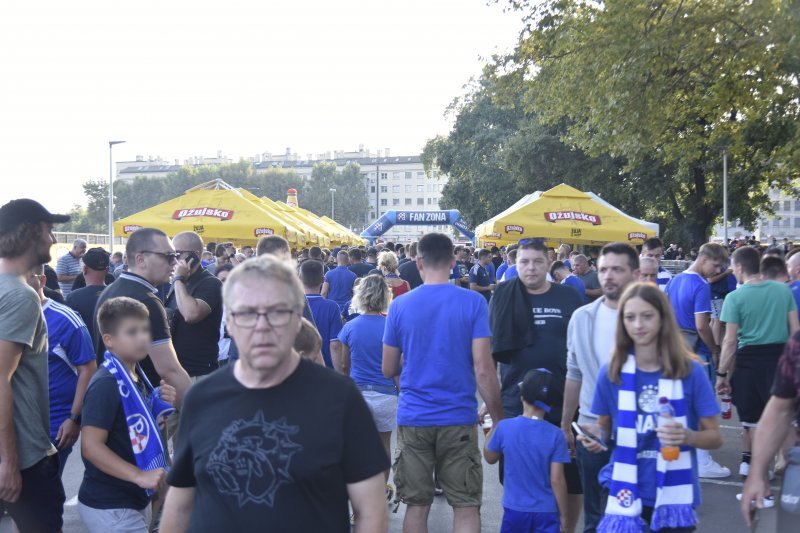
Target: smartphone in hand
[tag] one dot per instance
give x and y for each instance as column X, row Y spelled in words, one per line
column 580, row 431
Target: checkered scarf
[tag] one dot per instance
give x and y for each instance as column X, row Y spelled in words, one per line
column 675, row 496
column 141, row 415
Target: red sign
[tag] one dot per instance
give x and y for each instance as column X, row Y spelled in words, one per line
column 264, row 231
column 637, row 235
column 512, row 228
column 577, row 216
column 130, row 229
column 222, row 214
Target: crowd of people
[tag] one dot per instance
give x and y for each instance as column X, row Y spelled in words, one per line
column 215, row 388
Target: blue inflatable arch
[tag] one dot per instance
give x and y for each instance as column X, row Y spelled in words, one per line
column 416, row 218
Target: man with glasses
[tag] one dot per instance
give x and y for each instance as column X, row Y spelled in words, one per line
column 194, row 306
column 274, row 440
column 151, row 260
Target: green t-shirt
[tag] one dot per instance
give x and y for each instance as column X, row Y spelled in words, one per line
column 760, row 309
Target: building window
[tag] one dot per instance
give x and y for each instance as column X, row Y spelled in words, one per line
column 786, row 222
column 384, row 175
column 395, row 201
column 420, row 188
column 430, row 201
column 776, row 206
column 372, row 189
column 395, row 175
column 384, row 188
column 797, row 222
column 420, row 201
column 409, row 188
column 420, row 174
column 787, row 205
column 383, row 201
column 408, row 201
column 372, row 214
column 434, row 173
column 408, row 175
column 372, row 175
column 395, row 188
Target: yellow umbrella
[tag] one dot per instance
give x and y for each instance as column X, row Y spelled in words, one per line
column 354, row 238
column 335, row 233
column 216, row 211
column 564, row 214
column 315, row 236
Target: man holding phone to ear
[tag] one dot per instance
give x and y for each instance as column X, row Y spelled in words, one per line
column 194, row 306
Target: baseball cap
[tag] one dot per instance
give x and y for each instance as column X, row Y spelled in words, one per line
column 535, row 388
column 26, row 211
column 96, row 259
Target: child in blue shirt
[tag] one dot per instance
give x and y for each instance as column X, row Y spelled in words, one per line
column 535, row 490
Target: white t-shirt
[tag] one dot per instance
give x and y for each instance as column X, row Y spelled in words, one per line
column 605, row 332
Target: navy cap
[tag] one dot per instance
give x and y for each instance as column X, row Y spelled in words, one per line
column 26, row 211
column 97, row 259
column 535, row 388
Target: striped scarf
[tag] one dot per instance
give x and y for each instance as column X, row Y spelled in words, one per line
column 675, row 495
column 141, row 415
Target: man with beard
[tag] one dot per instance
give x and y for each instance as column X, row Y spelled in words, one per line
column 529, row 318
column 590, row 338
column 30, row 484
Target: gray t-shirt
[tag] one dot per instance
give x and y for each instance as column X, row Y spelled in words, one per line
column 22, row 322
column 590, row 281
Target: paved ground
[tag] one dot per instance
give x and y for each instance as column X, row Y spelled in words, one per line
column 719, row 513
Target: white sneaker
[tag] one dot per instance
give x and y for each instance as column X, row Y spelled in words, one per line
column 768, row 502
column 713, row 469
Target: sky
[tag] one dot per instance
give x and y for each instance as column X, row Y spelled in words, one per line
column 189, row 78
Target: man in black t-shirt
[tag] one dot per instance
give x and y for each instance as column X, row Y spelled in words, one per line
column 549, row 307
column 274, row 441
column 194, row 306
column 84, row 300
column 151, row 259
column 409, row 271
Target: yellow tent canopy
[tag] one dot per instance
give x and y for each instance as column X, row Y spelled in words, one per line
column 313, row 236
column 564, row 214
column 216, row 211
column 353, row 237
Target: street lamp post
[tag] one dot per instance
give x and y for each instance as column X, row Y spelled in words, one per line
column 333, row 204
column 111, row 194
column 725, row 196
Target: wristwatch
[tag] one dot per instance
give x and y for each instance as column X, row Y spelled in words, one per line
column 176, row 279
column 722, row 374
column 75, row 418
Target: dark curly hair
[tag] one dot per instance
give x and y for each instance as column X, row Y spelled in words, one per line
column 18, row 241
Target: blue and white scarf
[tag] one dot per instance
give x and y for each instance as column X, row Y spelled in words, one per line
column 141, row 416
column 675, row 495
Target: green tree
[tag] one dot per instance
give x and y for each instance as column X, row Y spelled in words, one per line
column 665, row 86
column 350, row 197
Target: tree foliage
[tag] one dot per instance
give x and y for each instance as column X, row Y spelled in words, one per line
column 142, row 193
column 667, row 86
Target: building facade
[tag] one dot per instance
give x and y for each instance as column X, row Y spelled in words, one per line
column 784, row 223
column 392, row 182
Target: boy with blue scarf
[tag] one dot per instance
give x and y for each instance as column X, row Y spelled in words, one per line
column 123, row 454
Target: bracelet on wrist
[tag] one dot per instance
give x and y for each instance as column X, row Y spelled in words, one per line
column 722, row 374
column 176, row 279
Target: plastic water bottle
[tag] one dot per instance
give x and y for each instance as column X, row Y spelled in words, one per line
column 487, row 424
column 665, row 415
column 727, row 407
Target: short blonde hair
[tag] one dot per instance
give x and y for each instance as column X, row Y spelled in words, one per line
column 265, row 268
column 372, row 294
column 387, row 260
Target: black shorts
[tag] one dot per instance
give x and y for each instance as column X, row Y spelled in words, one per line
column 40, row 506
column 752, row 380
column 571, row 474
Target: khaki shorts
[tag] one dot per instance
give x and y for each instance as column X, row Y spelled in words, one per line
column 449, row 451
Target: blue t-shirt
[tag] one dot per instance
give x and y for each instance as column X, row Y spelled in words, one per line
column 795, row 286
column 700, row 402
column 364, row 336
column 492, row 271
column 690, row 294
column 328, row 319
column 434, row 326
column 529, row 447
column 510, row 273
column 481, row 277
column 69, row 346
column 575, row 282
column 501, row 270
column 340, row 285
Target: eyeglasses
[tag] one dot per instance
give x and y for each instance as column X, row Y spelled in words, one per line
column 169, row 256
column 274, row 317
